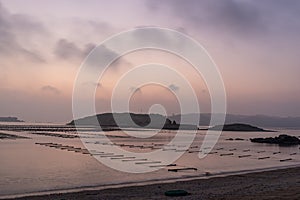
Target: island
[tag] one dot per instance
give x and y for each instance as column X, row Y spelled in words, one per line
column 107, row 121
column 238, row 127
column 10, row 119
column 282, row 140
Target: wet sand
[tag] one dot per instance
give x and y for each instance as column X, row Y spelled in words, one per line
column 276, row 184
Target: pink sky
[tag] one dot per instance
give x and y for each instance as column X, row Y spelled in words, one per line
column 255, row 44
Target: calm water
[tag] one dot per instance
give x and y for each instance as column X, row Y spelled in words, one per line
column 31, row 165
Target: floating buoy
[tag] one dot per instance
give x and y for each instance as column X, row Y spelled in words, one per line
column 283, row 160
column 244, row 156
column 182, row 169
column 226, row 154
column 262, row 158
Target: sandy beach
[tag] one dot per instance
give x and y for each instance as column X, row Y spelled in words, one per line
column 275, row 184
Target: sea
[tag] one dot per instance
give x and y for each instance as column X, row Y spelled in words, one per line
column 52, row 158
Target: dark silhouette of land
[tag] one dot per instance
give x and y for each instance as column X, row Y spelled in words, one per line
column 10, row 119
column 131, row 120
column 238, row 127
column 282, row 140
column 256, row 120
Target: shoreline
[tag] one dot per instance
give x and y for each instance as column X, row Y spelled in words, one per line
column 156, row 186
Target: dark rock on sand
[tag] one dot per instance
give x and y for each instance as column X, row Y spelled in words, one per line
column 176, row 193
column 283, row 140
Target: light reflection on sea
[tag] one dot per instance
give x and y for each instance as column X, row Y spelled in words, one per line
column 28, row 167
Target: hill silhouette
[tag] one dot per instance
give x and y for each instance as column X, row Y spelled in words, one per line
column 131, row 120
column 238, row 127
column 256, row 120
column 10, row 119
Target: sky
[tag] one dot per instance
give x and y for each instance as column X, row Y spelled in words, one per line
column 254, row 43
